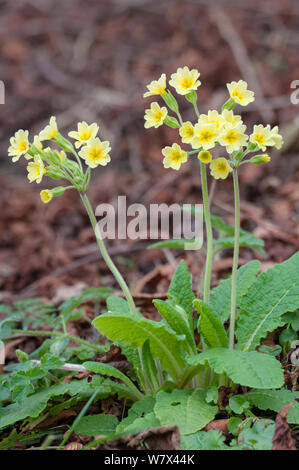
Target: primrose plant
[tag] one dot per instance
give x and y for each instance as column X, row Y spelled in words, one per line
column 231, row 319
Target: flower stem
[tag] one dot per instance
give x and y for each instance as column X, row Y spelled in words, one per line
column 235, row 261
column 209, row 233
column 106, row 256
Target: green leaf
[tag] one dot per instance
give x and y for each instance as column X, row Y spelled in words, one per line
column 273, row 400
column 238, row 404
column 180, row 289
column 150, row 368
column 178, row 320
column 220, row 298
column 293, row 414
column 210, row 327
column 135, row 330
column 251, row 369
column 93, row 293
column 33, row 405
column 132, row 354
column 185, row 408
column 204, row 440
column 95, row 425
column 117, row 304
column 140, row 416
column 258, row 437
column 274, row 293
column 106, row 369
column 287, row 336
column 178, row 243
column 246, row 239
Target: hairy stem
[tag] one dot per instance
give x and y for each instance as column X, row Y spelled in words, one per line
column 106, row 256
column 209, row 233
column 235, row 261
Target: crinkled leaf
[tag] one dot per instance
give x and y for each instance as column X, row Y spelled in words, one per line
column 204, row 440
column 106, row 369
column 95, row 425
column 274, row 293
column 220, row 299
column 180, row 289
column 251, row 369
column 271, row 399
column 178, row 320
column 135, row 330
column 210, row 326
column 33, row 405
column 184, row 408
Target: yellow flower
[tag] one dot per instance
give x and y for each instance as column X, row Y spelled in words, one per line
column 46, row 195
column 233, row 137
column 262, row 136
column 187, row 132
column 19, row 145
column 36, row 169
column 61, row 154
column 265, row 158
column 220, row 168
column 204, row 156
column 174, row 157
column 96, row 152
column 84, row 133
column 213, row 117
column 37, row 143
column 185, row 80
column 276, row 139
column 50, row 131
column 239, row 93
column 230, row 118
column 154, row 117
column 156, row 87
column 205, row 136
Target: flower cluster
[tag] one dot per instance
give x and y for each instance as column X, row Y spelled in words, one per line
column 215, row 128
column 54, row 162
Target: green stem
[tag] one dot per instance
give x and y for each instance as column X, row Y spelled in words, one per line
column 235, row 261
column 98, row 348
column 209, row 233
column 106, row 256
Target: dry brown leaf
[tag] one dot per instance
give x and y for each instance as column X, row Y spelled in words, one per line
column 282, row 439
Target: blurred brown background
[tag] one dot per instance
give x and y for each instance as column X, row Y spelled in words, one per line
column 91, row 60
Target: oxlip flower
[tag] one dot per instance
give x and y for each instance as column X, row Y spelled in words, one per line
column 233, row 137
column 156, row 87
column 50, row 131
column 205, row 135
column 261, row 136
column 185, row 80
column 187, row 132
column 46, row 196
column 96, row 152
column 204, row 156
column 154, row 117
column 174, row 156
column 239, row 93
column 220, row 168
column 84, row 133
column 19, row 145
column 36, row 169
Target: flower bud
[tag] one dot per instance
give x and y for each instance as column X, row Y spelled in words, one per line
column 258, row 159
